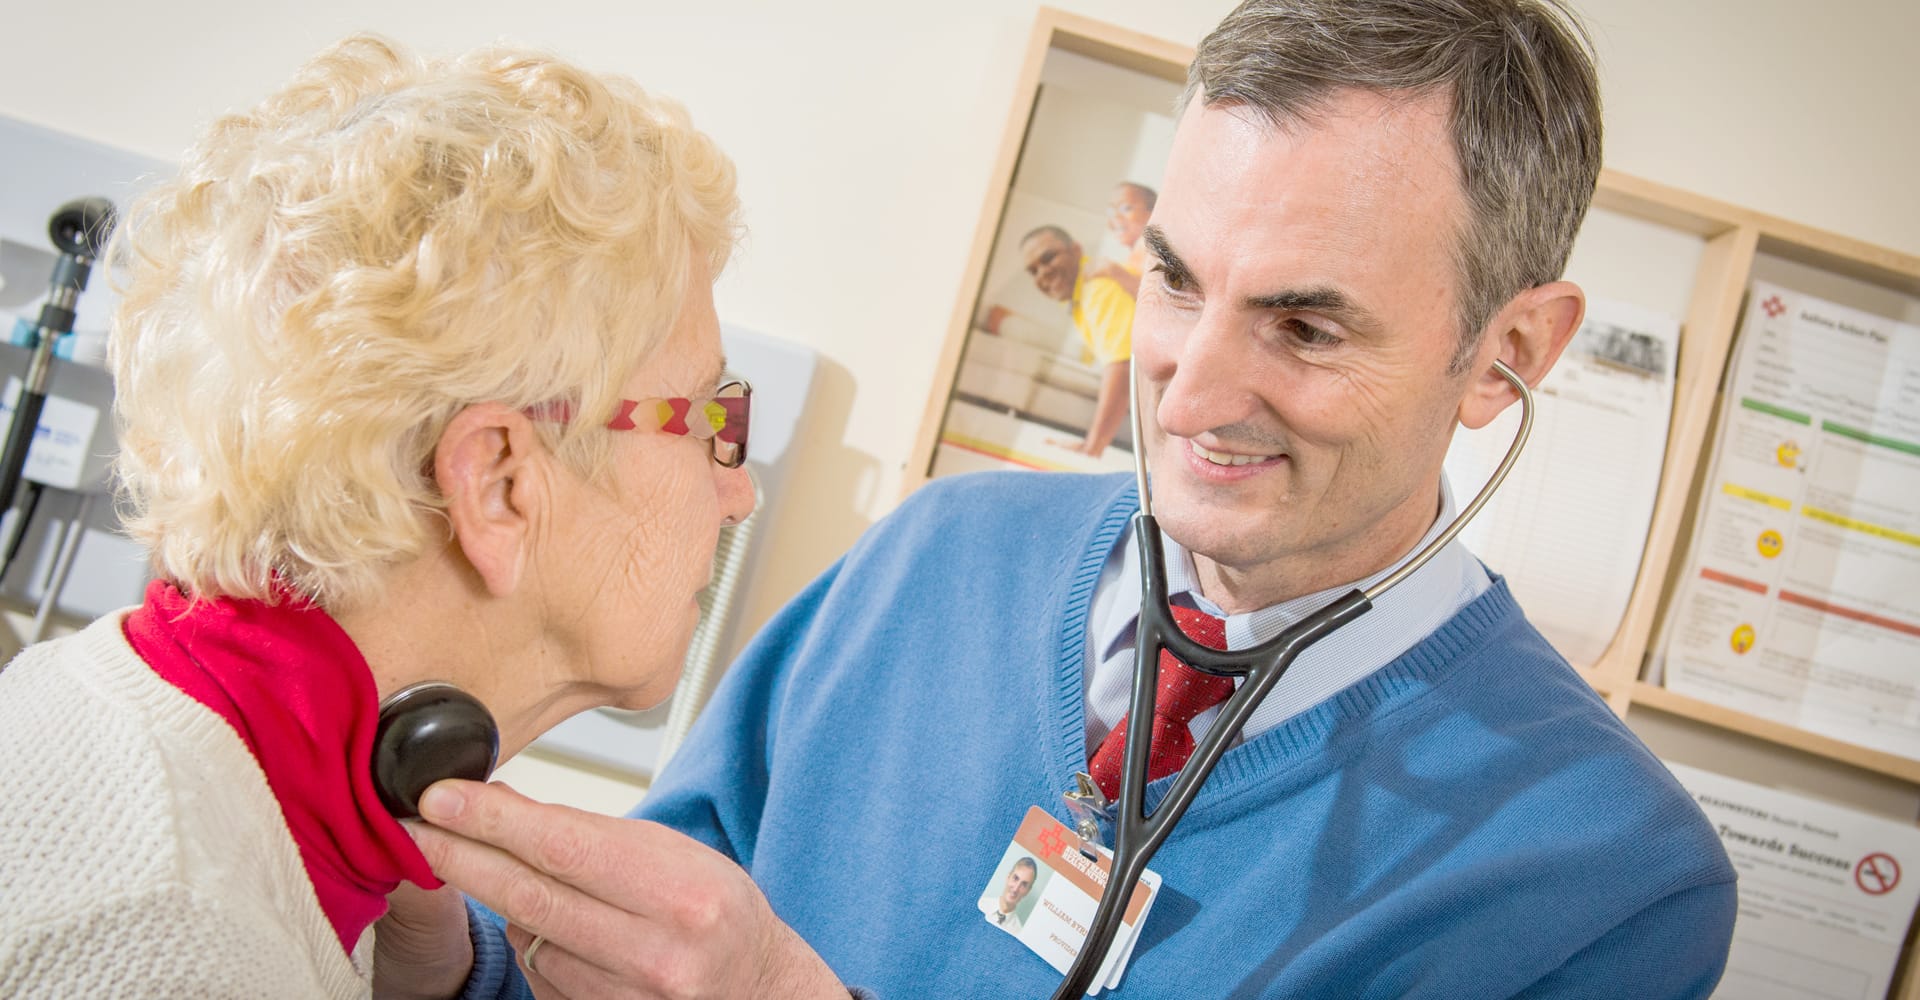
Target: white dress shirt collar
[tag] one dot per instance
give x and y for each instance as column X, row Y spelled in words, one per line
column 1398, row 620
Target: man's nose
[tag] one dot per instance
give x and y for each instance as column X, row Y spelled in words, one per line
column 1202, row 372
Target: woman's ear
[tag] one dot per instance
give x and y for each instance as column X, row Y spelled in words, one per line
column 490, row 467
column 1528, row 334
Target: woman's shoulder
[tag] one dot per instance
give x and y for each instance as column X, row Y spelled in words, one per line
column 132, row 817
column 88, row 697
column 97, row 789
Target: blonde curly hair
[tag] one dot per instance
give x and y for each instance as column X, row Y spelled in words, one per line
column 336, row 273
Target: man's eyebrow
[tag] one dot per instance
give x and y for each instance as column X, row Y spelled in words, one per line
column 1170, row 262
column 1318, row 298
column 1321, row 299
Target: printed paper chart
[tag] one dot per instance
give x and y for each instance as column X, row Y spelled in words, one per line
column 1801, row 600
column 1568, row 527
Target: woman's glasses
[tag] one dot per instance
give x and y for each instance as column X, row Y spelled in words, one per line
column 719, row 420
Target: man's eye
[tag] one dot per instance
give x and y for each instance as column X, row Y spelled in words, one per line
column 1174, row 281
column 1310, row 335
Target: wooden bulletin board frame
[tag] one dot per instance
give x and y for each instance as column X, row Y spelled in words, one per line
column 1054, row 32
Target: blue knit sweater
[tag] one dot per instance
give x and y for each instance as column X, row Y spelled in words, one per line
column 1468, row 821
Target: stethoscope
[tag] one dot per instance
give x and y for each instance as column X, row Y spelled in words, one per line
column 1137, row 835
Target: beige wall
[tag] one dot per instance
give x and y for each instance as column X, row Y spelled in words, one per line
column 865, row 131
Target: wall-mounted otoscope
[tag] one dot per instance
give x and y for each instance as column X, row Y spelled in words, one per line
column 79, row 231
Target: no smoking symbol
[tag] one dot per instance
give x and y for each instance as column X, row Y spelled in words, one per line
column 1876, row 874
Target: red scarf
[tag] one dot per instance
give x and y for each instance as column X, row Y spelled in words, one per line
column 293, row 685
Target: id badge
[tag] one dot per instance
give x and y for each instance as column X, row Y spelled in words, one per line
column 1045, row 889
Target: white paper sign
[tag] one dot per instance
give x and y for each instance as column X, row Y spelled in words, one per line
column 1826, row 893
column 1568, row 528
column 60, row 443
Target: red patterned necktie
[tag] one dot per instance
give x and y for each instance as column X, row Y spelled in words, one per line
column 1182, row 693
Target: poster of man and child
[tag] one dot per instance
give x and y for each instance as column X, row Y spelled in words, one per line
column 1042, row 380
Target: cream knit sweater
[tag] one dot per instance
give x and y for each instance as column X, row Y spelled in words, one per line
column 141, row 851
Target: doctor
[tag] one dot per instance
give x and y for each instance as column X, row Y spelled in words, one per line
column 1366, row 204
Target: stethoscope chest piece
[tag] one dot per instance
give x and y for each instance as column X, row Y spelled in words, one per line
column 428, row 732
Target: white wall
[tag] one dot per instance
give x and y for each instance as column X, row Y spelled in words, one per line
column 865, row 130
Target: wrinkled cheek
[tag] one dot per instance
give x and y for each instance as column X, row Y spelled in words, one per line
column 1346, row 414
column 673, row 543
column 656, row 562
column 659, row 594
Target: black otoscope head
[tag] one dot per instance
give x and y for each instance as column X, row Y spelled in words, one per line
column 428, row 732
column 79, row 230
column 81, row 226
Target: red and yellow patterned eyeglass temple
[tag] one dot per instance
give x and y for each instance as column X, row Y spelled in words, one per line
column 720, row 420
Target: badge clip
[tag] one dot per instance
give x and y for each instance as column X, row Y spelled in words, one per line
column 1092, row 813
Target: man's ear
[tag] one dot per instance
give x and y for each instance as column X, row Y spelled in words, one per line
column 1528, row 334
column 488, row 464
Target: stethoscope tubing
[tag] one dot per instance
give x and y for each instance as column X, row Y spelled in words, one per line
column 1137, row 835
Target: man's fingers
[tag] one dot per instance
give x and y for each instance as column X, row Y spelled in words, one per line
column 542, row 988
column 524, row 895
column 628, row 864
column 557, row 972
column 558, row 840
column 522, row 941
column 607, row 919
column 422, row 948
column 626, row 907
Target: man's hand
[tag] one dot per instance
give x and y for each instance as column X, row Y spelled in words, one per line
column 1078, row 446
column 421, row 948
column 996, row 316
column 627, row 908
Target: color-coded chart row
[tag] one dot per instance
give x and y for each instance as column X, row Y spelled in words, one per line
column 1823, row 516
column 1867, row 437
column 1814, row 603
column 1853, row 524
column 1841, row 430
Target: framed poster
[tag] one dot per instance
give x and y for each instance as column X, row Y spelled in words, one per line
column 1035, row 367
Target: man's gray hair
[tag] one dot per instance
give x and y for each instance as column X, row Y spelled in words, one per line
column 1525, row 118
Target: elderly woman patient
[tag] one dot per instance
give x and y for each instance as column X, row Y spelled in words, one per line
column 419, row 379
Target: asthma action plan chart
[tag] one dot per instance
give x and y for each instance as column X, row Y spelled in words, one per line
column 1800, row 600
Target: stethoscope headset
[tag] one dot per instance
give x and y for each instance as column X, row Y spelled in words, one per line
column 1137, row 835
